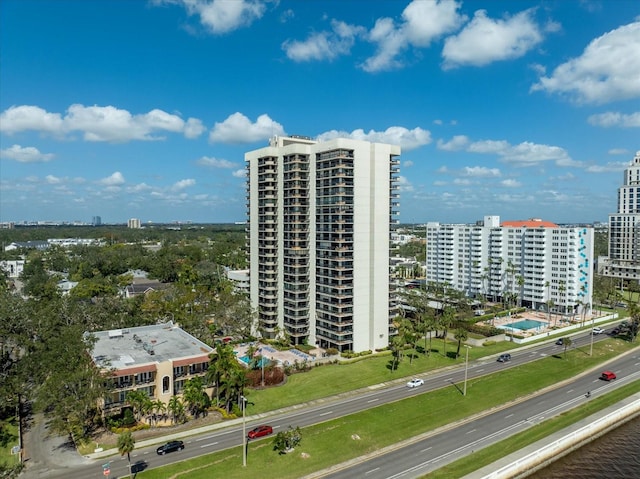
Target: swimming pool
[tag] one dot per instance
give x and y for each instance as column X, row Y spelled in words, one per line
column 261, row 363
column 525, row 325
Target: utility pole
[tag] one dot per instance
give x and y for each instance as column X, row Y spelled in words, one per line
column 466, row 367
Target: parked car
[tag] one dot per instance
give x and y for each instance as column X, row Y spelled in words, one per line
column 621, row 305
column 415, row 382
column 608, row 375
column 260, row 431
column 170, row 447
column 597, row 330
column 503, row 358
column 560, row 342
column 615, row 331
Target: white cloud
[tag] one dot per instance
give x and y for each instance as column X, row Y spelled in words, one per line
column 27, row 154
column 182, row 184
column 611, row 118
column 115, row 179
column 483, row 40
column 222, row 16
column 242, row 173
column 457, row 143
column 215, row 162
column 524, row 154
column 608, row 69
column 422, row 22
column 511, row 183
column 52, row 180
column 608, row 168
column 237, row 128
column 98, row 123
column 618, row 151
column 407, row 164
column 395, row 135
column 404, row 185
column 326, row 45
column 26, row 117
column 481, row 172
column 437, row 122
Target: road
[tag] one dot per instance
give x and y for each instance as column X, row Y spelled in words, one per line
column 232, row 437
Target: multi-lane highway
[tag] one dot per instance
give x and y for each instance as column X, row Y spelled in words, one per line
column 430, row 453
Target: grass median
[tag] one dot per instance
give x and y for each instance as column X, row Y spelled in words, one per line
column 352, row 436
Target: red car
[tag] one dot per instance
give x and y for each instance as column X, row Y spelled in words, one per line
column 608, row 375
column 260, row 431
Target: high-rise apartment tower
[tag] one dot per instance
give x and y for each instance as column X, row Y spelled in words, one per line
column 320, row 216
column 624, row 229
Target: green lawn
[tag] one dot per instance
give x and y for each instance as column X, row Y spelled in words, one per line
column 339, row 440
column 335, row 379
column 8, row 439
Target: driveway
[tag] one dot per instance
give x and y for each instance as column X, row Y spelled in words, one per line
column 47, row 454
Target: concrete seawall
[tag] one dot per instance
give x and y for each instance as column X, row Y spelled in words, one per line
column 541, row 453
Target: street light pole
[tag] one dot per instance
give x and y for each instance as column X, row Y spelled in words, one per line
column 466, row 367
column 591, row 347
column 244, row 433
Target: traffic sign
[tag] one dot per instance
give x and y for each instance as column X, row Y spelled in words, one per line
column 106, row 471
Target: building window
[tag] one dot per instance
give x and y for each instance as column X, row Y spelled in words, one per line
column 166, row 385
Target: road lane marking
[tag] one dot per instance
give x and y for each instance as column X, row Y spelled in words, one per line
column 326, row 413
column 425, row 450
column 373, row 400
column 507, row 417
column 469, row 432
column 372, row 470
column 209, row 445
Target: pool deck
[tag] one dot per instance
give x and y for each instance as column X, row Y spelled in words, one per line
column 551, row 323
column 286, row 358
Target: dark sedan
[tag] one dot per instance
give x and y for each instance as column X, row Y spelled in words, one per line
column 170, row 447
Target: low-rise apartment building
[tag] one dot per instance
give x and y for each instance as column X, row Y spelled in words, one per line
column 156, row 359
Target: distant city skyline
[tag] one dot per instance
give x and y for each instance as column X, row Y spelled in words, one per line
column 145, row 109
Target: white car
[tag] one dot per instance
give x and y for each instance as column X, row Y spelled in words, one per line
column 414, row 383
column 598, row 330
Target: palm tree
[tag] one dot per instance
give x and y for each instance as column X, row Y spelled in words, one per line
column 561, row 289
column 159, row 408
column 521, row 282
column 176, row 408
column 446, row 320
column 194, row 396
column 461, row 335
column 126, row 444
column 139, row 401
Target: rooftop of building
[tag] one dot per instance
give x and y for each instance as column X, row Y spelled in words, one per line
column 530, row 223
column 131, row 347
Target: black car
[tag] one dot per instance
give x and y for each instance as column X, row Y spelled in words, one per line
column 170, row 447
column 560, row 342
column 503, row 358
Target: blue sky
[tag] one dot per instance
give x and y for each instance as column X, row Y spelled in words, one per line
column 144, row 109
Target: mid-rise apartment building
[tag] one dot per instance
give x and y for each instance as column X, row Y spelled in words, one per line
column 320, row 215
column 624, row 229
column 535, row 262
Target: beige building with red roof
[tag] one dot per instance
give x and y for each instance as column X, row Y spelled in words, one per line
column 156, row 359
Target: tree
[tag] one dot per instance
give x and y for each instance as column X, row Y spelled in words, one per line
column 194, row 396
column 140, row 402
column 159, row 409
column 176, row 409
column 126, row 444
column 285, row 441
column 446, row 321
column 461, row 335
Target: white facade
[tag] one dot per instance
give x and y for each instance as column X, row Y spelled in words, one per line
column 320, row 216
column 624, row 228
column 535, row 261
column 133, row 223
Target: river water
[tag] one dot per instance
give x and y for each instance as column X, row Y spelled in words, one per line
column 616, row 455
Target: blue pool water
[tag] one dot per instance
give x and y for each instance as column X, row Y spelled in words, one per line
column 525, row 324
column 261, row 363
